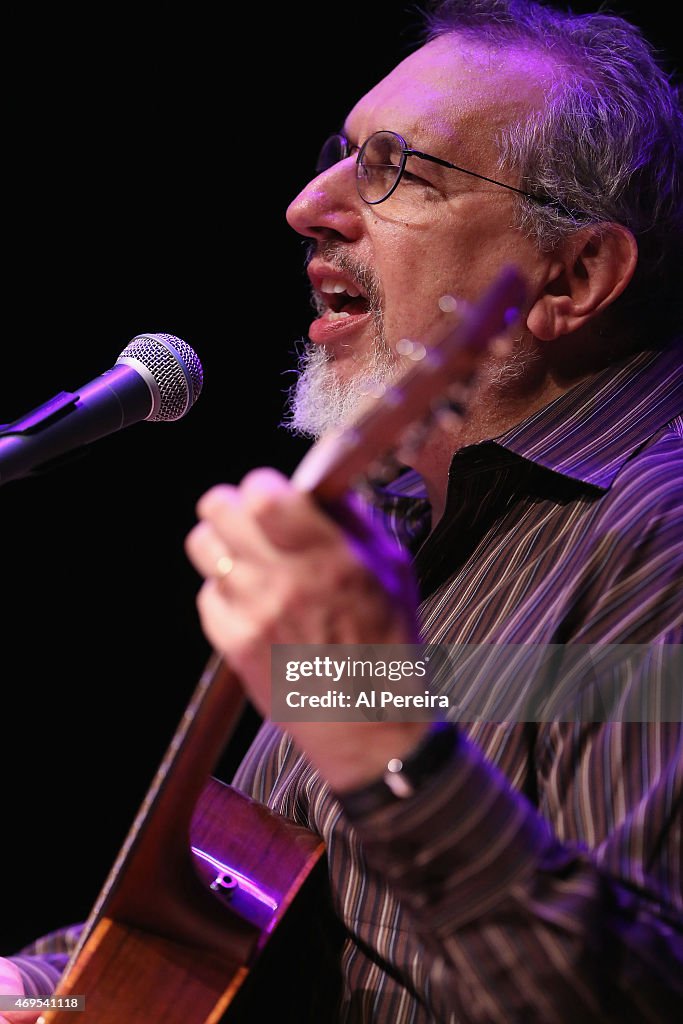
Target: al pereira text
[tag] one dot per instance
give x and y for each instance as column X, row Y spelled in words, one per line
column 365, row 699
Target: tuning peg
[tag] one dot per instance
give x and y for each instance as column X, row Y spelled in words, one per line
column 449, row 418
column 412, row 439
column 457, row 397
column 413, row 350
column 501, row 346
column 449, row 304
column 384, row 469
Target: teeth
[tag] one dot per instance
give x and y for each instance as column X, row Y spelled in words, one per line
column 337, row 316
column 331, row 287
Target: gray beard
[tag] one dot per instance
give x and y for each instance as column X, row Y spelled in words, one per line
column 319, row 402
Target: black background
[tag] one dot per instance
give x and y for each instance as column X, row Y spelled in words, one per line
column 149, row 158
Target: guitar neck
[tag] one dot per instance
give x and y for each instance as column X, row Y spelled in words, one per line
column 338, row 461
column 136, row 890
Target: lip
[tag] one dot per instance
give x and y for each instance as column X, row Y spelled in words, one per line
column 326, row 331
column 318, row 271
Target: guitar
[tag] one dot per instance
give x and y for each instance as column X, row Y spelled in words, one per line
column 200, row 902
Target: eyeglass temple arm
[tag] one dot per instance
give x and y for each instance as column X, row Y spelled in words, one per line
column 543, row 200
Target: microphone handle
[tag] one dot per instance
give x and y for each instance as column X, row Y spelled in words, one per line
column 115, row 399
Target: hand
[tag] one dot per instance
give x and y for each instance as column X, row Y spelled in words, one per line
column 300, row 577
column 11, row 984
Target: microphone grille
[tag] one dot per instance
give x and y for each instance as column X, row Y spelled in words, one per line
column 175, row 368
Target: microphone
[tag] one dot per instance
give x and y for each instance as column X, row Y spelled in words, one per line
column 157, row 377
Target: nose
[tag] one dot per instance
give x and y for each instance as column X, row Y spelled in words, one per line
column 329, row 207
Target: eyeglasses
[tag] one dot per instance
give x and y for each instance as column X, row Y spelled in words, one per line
column 381, row 163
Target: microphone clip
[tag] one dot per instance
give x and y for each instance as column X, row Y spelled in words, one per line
column 56, row 408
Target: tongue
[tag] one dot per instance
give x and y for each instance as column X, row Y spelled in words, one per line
column 356, row 307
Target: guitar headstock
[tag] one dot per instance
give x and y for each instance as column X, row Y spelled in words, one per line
column 436, row 382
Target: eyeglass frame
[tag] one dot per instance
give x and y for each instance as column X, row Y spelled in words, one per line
column 406, row 151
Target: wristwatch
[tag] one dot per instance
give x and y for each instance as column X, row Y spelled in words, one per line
column 404, row 777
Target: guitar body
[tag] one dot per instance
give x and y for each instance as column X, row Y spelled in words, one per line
column 269, row 879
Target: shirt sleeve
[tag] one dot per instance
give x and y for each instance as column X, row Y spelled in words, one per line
column 564, row 902
column 520, row 926
column 42, row 963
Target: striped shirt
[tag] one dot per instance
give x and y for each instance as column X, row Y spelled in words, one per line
column 538, row 877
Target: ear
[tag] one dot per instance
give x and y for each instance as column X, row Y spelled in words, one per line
column 587, row 272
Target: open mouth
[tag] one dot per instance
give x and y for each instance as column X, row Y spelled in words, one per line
column 337, row 299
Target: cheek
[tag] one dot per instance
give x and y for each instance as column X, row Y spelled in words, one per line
column 461, row 256
column 415, row 277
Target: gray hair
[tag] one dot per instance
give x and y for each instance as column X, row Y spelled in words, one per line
column 608, row 144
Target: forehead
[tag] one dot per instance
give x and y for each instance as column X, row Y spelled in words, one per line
column 451, row 83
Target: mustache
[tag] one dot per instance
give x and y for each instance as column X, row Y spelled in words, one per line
column 360, row 273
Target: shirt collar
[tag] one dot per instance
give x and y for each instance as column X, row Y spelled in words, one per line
column 589, row 432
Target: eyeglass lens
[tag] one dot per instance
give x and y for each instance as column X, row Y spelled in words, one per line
column 379, row 163
column 334, row 149
column 379, row 167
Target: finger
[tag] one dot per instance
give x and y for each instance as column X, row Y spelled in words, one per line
column 226, row 510
column 216, row 497
column 294, row 519
column 290, row 519
column 11, row 983
column 208, row 552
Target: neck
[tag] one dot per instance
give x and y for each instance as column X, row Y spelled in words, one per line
column 495, row 406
